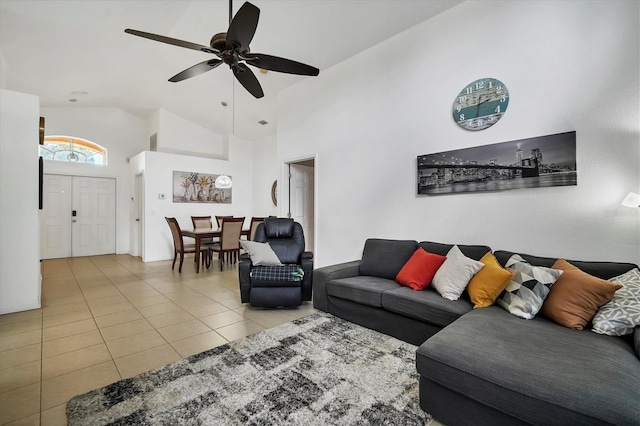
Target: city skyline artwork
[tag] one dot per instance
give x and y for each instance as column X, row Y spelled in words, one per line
column 541, row 161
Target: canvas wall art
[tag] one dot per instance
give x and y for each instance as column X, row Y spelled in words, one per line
column 526, row 163
column 192, row 187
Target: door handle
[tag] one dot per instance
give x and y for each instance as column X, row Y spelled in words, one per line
column 137, row 220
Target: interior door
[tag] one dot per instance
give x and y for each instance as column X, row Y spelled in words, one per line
column 302, row 202
column 93, row 221
column 55, row 226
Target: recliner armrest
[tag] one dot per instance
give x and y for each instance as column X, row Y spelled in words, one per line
column 307, row 255
column 322, row 275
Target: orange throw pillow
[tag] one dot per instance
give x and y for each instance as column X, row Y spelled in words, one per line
column 419, row 270
column 576, row 296
column 485, row 286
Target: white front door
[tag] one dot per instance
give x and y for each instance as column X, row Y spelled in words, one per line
column 55, row 225
column 91, row 231
column 93, row 222
column 302, row 207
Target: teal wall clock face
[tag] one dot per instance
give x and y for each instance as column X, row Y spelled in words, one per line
column 481, row 104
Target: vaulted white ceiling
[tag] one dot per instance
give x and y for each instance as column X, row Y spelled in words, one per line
column 53, row 48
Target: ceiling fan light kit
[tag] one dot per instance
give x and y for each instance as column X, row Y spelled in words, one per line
column 232, row 48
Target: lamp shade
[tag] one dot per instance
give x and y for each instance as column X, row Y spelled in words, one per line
column 223, row 182
column 631, row 200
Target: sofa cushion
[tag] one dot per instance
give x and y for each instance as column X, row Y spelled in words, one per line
column 530, row 285
column 485, row 286
column 419, row 270
column 426, row 305
column 475, row 252
column 576, row 296
column 361, row 289
column 454, row 275
column 278, row 227
column 535, row 370
column 384, row 258
column 622, row 314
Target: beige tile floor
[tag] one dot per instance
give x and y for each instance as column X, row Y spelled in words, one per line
column 106, row 318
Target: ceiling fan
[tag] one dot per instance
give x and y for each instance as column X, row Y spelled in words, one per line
column 232, row 48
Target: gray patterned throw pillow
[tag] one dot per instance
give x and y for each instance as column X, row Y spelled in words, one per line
column 622, row 313
column 528, row 288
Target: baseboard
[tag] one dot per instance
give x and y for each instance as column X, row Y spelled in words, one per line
column 19, row 308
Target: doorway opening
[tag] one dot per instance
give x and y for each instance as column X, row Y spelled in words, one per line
column 301, row 197
column 137, row 218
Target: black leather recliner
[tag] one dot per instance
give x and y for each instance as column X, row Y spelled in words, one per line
column 259, row 285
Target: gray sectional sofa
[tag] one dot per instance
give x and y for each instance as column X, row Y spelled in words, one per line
column 486, row 366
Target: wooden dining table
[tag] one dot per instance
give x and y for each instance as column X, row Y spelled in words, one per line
column 200, row 233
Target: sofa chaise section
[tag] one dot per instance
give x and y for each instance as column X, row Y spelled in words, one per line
column 491, row 367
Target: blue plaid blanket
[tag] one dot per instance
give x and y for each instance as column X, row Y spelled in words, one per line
column 277, row 273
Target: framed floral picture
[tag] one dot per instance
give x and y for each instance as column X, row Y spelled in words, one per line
column 193, row 187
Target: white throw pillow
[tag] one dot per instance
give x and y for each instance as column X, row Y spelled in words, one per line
column 622, row 314
column 455, row 273
column 261, row 254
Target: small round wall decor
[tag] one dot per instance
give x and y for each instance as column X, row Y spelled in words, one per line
column 481, row 104
column 274, row 193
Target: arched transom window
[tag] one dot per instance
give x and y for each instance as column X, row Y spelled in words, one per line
column 74, row 150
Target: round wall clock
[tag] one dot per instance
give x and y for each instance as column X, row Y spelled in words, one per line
column 481, row 104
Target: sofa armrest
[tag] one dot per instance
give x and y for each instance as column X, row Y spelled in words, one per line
column 636, row 340
column 306, row 261
column 244, row 277
column 322, row 275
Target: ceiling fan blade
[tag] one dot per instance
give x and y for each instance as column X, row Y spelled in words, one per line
column 243, row 27
column 195, row 70
column 248, row 79
column 275, row 63
column 173, row 41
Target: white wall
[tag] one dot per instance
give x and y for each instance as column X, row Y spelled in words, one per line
column 3, row 71
column 177, row 135
column 567, row 65
column 19, row 227
column 158, row 168
column 266, row 171
column 122, row 134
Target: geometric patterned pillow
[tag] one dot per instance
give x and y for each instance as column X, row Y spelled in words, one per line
column 622, row 313
column 528, row 288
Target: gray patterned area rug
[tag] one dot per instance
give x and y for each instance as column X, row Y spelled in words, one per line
column 317, row 370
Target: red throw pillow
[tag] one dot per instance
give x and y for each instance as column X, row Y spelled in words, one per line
column 419, row 270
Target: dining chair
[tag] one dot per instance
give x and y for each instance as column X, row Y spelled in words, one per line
column 229, row 246
column 255, row 221
column 180, row 248
column 200, row 222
